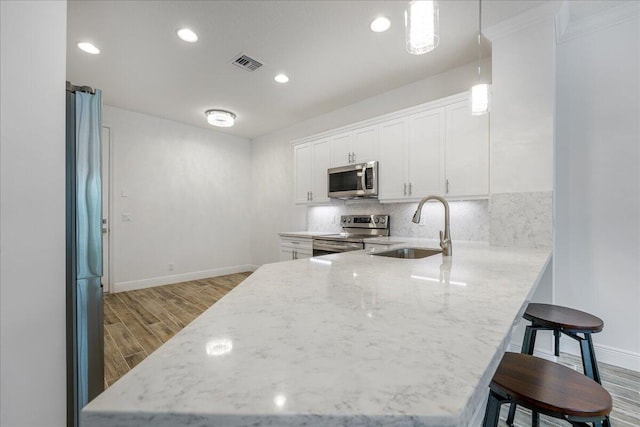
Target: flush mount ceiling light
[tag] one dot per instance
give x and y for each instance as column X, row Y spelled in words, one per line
column 480, row 92
column 220, row 118
column 89, row 48
column 380, row 24
column 187, row 35
column 281, row 78
column 422, row 25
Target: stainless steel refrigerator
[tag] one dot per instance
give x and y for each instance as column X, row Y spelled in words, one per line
column 85, row 340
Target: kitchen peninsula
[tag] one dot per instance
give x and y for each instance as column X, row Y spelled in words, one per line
column 350, row 339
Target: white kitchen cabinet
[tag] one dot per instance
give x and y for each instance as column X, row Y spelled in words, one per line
column 434, row 148
column 358, row 146
column 426, row 153
column 467, row 152
column 393, row 171
column 341, row 149
column 295, row 248
column 412, row 156
column 311, row 161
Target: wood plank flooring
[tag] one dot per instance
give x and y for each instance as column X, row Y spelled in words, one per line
column 138, row 322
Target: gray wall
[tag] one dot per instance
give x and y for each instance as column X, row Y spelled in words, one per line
column 597, row 250
column 32, row 214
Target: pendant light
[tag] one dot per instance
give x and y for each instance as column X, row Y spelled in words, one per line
column 422, row 26
column 480, row 92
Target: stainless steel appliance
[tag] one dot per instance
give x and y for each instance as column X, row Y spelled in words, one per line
column 85, row 342
column 357, row 181
column 355, row 230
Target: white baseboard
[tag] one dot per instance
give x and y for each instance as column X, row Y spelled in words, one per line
column 605, row 354
column 177, row 278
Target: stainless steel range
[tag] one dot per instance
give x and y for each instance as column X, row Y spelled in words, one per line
column 355, row 230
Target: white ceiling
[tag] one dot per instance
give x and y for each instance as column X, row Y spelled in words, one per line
column 326, row 47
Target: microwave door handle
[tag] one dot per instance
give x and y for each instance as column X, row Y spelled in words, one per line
column 364, row 178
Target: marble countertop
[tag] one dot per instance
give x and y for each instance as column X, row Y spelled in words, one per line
column 349, row 339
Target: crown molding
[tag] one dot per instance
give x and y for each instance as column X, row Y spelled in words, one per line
column 568, row 29
column 530, row 17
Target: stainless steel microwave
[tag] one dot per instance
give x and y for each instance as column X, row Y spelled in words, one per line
column 357, row 181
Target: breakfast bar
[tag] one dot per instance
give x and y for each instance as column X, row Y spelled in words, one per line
column 350, row 339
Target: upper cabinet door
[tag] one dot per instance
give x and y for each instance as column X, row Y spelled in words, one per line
column 321, row 161
column 467, row 148
column 392, row 169
column 365, row 145
column 426, row 153
column 341, row 149
column 302, row 164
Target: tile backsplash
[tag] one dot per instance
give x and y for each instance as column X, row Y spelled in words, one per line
column 521, row 219
column 469, row 219
column 509, row 219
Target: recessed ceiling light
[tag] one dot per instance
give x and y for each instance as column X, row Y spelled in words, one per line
column 281, row 78
column 380, row 24
column 89, row 48
column 220, row 118
column 187, row 35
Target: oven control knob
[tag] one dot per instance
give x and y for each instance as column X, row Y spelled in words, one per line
column 344, row 219
column 383, row 220
column 349, row 221
column 377, row 220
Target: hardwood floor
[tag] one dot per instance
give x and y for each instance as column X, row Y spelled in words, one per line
column 138, row 322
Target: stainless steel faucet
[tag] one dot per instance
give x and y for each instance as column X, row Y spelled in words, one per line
column 445, row 238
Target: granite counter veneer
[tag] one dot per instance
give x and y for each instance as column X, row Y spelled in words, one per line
column 348, row 339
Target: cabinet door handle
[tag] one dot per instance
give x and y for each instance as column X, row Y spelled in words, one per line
column 310, row 195
column 295, row 255
column 410, row 191
column 447, row 190
column 349, row 154
column 353, row 156
column 405, row 188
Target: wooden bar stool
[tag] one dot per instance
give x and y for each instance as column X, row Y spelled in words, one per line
column 562, row 320
column 546, row 388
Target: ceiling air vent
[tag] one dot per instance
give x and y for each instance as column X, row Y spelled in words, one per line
column 246, row 63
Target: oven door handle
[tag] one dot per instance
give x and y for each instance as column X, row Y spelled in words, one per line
column 339, row 247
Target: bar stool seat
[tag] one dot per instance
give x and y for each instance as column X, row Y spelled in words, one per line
column 548, row 388
column 556, row 316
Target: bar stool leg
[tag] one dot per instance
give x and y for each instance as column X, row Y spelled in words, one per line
column 492, row 414
column 589, row 362
column 556, row 334
column 529, row 341
column 535, row 419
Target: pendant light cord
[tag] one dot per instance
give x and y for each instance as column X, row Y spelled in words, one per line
column 479, row 37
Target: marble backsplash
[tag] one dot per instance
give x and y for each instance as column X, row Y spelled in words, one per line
column 521, row 219
column 509, row 219
column 469, row 219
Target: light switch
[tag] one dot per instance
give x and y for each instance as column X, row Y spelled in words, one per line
column 126, row 217
column 124, row 193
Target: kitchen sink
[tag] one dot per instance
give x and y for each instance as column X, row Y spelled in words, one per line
column 410, row 253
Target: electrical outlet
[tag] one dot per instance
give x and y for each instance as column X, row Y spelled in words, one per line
column 171, row 267
column 126, row 217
